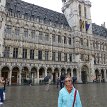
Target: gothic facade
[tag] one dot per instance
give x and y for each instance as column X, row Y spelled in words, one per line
column 35, row 41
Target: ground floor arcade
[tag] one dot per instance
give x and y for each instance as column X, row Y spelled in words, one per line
column 18, row 74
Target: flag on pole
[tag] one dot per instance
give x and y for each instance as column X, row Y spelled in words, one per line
column 87, row 26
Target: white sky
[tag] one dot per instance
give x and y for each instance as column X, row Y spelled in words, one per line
column 98, row 9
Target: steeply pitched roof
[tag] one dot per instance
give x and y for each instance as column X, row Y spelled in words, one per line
column 99, row 30
column 24, row 8
column 31, row 10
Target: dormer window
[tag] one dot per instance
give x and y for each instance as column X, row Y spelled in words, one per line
column 26, row 16
column 63, row 0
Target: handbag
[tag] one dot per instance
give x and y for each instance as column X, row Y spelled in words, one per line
column 75, row 93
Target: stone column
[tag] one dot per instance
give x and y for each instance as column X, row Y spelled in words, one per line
column 37, row 76
column 79, row 76
column 11, row 52
column 36, row 54
column 10, row 76
column 71, row 73
column 20, row 52
column 28, row 53
column 105, row 76
column 20, row 77
column 45, row 72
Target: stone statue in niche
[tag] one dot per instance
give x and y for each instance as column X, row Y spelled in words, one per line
column 86, row 57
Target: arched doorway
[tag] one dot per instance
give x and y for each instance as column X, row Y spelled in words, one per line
column 63, row 71
column 69, row 72
column 41, row 72
column 102, row 76
column 84, row 74
column 33, row 74
column 55, row 75
column 25, row 75
column 97, row 75
column 5, row 72
column 14, row 77
column 74, row 72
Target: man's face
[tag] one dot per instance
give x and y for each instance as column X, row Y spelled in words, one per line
column 68, row 81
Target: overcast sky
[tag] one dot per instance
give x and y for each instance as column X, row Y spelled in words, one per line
column 98, row 9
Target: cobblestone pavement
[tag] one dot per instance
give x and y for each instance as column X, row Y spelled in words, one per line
column 92, row 95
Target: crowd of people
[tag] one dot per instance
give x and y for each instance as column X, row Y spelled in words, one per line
column 61, row 79
column 64, row 82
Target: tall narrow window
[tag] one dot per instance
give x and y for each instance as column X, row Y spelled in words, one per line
column 39, row 55
column 15, row 53
column 53, row 37
column 24, row 54
column 33, row 33
column 79, row 10
column 40, row 35
column 59, row 56
column 32, row 54
column 59, row 39
column 46, row 36
column 65, row 57
column 53, row 56
column 26, row 32
column 81, row 40
column 65, row 40
column 17, row 31
column 8, row 29
column 69, row 40
column 46, row 55
column 70, row 57
column 7, row 52
column 104, row 58
column 85, row 12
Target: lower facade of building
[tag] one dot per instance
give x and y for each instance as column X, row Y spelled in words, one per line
column 18, row 71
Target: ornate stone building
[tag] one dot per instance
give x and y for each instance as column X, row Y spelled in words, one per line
column 35, row 41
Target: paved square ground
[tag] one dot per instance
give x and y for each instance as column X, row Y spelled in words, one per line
column 92, row 95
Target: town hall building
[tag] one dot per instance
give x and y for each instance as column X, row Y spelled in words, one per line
column 35, row 41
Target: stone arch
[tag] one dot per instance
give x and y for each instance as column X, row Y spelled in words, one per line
column 33, row 27
column 49, row 70
column 25, row 74
column 47, row 30
column 84, row 73
column 63, row 70
column 14, row 77
column 42, row 72
column 56, row 70
column 74, row 72
column 5, row 72
column 26, row 26
column 97, row 75
column 69, row 71
column 33, row 74
column 53, row 32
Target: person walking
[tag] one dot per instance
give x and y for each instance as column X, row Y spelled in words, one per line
column 68, row 95
column 62, row 77
column 57, row 82
column 47, row 80
column 1, row 90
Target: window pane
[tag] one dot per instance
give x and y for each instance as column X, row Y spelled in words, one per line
column 39, row 55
